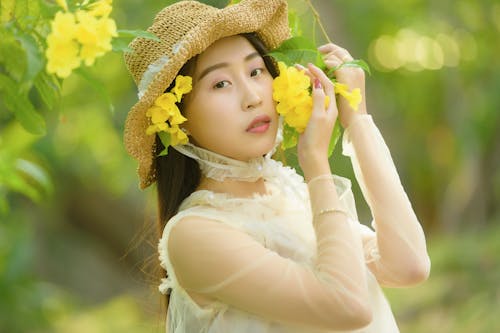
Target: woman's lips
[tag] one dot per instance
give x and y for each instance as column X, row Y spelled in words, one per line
column 259, row 124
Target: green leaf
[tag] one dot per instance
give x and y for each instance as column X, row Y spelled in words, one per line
column 120, row 45
column 14, row 139
column 36, row 173
column 334, row 138
column 48, row 88
column 12, row 179
column 34, row 57
column 98, row 86
column 215, row 3
column 298, row 50
column 7, row 8
column 12, row 55
column 290, row 137
column 280, row 57
column 4, row 205
column 294, row 22
column 17, row 183
column 27, row 13
column 357, row 63
column 48, row 9
column 19, row 104
column 137, row 33
column 165, row 140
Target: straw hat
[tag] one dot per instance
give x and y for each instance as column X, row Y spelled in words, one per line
column 186, row 29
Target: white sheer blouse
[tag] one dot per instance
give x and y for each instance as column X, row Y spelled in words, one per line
column 258, row 258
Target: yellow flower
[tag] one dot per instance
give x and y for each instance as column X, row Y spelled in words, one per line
column 165, row 115
column 63, row 4
column 94, row 35
column 166, row 101
column 289, row 83
column 85, row 35
column 353, row 97
column 183, row 85
column 101, row 8
column 157, row 114
column 64, row 26
column 291, row 91
column 62, row 56
column 177, row 136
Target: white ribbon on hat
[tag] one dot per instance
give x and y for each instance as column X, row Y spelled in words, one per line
column 150, row 74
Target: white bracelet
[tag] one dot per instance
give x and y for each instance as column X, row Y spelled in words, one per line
column 320, row 177
column 330, row 210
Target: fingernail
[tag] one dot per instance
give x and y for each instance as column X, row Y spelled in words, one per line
column 317, row 84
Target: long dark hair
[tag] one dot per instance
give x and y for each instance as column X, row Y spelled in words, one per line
column 177, row 175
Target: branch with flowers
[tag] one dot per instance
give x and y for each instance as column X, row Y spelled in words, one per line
column 42, row 43
column 292, row 88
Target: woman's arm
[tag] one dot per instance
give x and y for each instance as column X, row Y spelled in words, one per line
column 399, row 239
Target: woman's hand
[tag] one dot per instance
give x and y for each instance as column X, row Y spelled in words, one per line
column 353, row 77
column 313, row 143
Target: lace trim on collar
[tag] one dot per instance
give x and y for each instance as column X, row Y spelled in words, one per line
column 219, row 167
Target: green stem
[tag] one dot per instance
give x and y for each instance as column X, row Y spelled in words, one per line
column 317, row 18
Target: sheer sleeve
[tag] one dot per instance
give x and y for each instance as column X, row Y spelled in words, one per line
column 396, row 252
column 226, row 264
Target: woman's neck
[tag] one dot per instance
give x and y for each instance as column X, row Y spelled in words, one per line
column 236, row 188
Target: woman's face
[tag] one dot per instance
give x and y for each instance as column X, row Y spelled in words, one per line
column 231, row 110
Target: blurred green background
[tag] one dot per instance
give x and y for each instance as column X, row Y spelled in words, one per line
column 77, row 252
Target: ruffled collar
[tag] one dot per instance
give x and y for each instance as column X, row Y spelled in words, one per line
column 220, row 168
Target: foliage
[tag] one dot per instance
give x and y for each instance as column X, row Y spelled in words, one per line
column 29, row 86
column 462, row 291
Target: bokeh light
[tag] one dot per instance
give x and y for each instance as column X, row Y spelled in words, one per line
column 413, row 51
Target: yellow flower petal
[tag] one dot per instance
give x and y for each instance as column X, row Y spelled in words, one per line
column 177, row 136
column 62, row 56
column 355, row 99
column 183, row 85
column 166, row 100
column 64, row 26
column 63, row 4
column 340, row 88
column 157, row 114
column 165, row 114
column 100, row 8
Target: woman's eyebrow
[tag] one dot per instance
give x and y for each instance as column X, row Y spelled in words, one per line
column 225, row 64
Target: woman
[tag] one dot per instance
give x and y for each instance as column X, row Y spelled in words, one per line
column 248, row 245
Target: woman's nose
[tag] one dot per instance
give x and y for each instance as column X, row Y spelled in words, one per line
column 250, row 96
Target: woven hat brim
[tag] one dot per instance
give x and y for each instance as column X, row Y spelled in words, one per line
column 266, row 18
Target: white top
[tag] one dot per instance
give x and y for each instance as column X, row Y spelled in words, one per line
column 257, row 257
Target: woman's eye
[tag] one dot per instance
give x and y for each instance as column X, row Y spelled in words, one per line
column 221, row 84
column 256, row 72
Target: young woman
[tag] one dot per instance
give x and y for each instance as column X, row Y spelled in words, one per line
column 247, row 244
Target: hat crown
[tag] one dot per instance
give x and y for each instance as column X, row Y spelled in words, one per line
column 170, row 25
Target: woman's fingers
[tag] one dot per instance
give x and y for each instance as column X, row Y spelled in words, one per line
column 305, row 70
column 323, row 79
column 331, row 50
